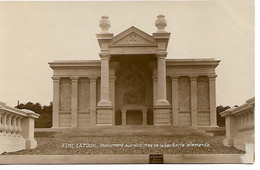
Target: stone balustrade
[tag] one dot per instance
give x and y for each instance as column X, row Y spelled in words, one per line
column 16, row 129
column 240, row 125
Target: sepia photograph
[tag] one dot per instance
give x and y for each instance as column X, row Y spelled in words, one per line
column 127, row 82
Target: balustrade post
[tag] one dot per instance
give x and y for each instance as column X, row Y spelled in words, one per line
column 27, row 125
column 4, row 126
column 1, row 123
column 14, row 125
column 9, row 124
column 19, row 128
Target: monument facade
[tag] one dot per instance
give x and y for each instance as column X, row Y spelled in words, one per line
column 134, row 84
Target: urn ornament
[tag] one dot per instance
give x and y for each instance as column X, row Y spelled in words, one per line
column 104, row 24
column 161, row 23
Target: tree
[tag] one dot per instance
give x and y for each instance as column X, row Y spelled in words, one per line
column 45, row 119
column 221, row 120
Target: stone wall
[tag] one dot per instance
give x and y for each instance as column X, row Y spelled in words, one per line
column 240, row 125
column 16, row 129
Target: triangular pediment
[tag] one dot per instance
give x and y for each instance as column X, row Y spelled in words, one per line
column 133, row 36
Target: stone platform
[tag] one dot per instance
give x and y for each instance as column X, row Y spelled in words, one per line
column 128, row 131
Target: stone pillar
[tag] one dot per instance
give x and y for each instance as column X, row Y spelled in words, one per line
column 231, row 130
column 154, row 96
column 194, row 103
column 161, row 84
column 104, row 93
column 175, row 100
column 144, row 116
column 123, row 117
column 212, row 101
column 104, row 108
column 74, row 101
column 93, row 100
column 154, row 90
column 27, row 125
column 112, row 95
column 56, row 102
column 162, row 107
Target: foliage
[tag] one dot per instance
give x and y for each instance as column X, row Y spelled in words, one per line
column 45, row 119
column 221, row 120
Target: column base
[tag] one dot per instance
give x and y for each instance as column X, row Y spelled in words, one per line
column 104, row 116
column 31, row 143
column 162, row 115
column 104, row 103
column 162, row 103
column 228, row 142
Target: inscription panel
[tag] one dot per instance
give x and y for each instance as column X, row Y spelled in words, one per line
column 184, row 93
column 203, row 93
column 84, row 93
column 65, row 94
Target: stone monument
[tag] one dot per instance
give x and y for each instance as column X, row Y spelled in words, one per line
column 134, row 84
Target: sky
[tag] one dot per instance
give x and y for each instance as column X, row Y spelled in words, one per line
column 35, row 33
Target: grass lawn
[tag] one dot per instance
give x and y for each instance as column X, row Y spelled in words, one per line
column 129, row 145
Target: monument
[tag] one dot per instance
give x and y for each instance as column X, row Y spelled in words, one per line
column 134, row 84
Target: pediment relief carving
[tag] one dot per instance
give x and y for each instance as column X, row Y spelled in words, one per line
column 133, row 38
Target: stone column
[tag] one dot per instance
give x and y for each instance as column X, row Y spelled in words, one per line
column 175, row 100
column 154, row 96
column 162, row 107
column 161, row 84
column 212, row 101
column 74, row 101
column 93, row 100
column 154, row 90
column 144, row 111
column 56, row 102
column 104, row 93
column 123, row 117
column 112, row 95
column 194, row 105
column 104, row 108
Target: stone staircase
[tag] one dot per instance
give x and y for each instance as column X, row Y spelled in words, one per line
column 135, row 130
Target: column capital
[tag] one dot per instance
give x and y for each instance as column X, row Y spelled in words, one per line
column 161, row 54
column 175, row 77
column 193, row 77
column 74, row 78
column 123, row 110
column 56, row 78
column 212, row 77
column 104, row 55
column 92, row 78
